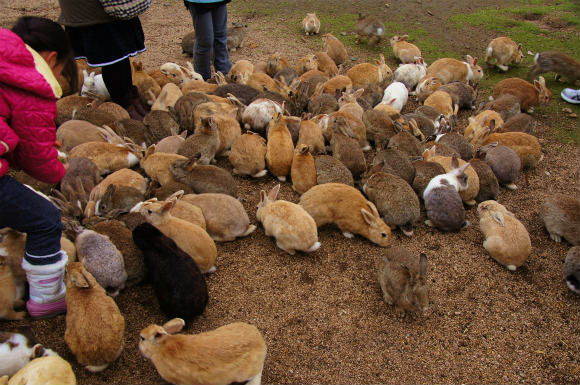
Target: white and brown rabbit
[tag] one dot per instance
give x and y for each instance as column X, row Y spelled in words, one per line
column 558, row 62
column 18, row 348
column 506, row 238
column 403, row 280
column 233, row 353
column 453, row 70
column 561, row 216
column 291, row 225
column 94, row 325
column 571, row 269
column 442, row 200
column 311, row 24
column 364, row 75
column 505, row 51
column 347, row 208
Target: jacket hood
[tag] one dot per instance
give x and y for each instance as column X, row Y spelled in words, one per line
column 18, row 67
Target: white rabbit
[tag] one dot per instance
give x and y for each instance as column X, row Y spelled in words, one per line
column 94, row 86
column 410, row 74
column 396, row 95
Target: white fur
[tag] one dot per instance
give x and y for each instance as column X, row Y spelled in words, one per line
column 14, row 358
column 410, row 74
column 469, row 72
column 436, row 182
column 396, row 95
column 132, row 160
column 179, row 74
column 94, row 86
column 258, row 114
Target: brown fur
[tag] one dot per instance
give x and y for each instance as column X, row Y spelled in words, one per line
column 326, row 64
column 145, row 84
column 311, row 135
column 8, row 294
column 279, row 148
column 248, row 155
column 275, row 63
column 156, row 165
column 306, row 63
column 526, row 146
column 241, row 69
column 303, row 171
column 561, row 216
column 364, row 75
column 453, row 70
column 404, row 51
column 505, row 51
column 334, row 48
column 528, row 94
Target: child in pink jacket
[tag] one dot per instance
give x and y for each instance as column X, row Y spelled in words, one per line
column 32, row 54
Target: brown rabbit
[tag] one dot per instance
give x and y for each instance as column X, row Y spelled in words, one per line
column 204, row 178
column 326, row 64
column 332, row 170
column 241, row 69
column 404, row 51
column 529, row 95
column 379, row 126
column 525, row 145
column 364, row 75
column 484, row 123
column 204, row 143
column 156, row 165
column 276, row 63
column 369, row 27
column 280, row 148
column 311, row 24
column 8, row 294
column 424, row 172
column 505, row 51
column 346, row 207
column 426, row 87
column 303, row 171
column 506, row 106
column 558, row 62
column 452, row 70
column 520, row 122
column 311, row 135
column 403, row 280
column 504, row 163
column 345, row 147
column 337, row 83
column 395, row 200
column 233, row 353
column 306, row 63
column 334, row 48
column 248, row 155
column 94, row 325
column 561, row 216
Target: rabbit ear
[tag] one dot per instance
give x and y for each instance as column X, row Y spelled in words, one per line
column 368, row 217
column 168, row 205
column 263, row 198
column 272, row 194
column 454, row 162
column 422, row 265
column 498, row 217
column 174, row 325
column 85, row 74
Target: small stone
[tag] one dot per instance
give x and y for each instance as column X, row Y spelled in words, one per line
column 387, row 5
column 430, row 13
column 573, row 116
column 566, row 110
column 457, row 313
column 343, row 33
column 547, row 173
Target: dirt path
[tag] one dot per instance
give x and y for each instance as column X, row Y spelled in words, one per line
column 322, row 315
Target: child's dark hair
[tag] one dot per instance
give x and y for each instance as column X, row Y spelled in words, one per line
column 46, row 35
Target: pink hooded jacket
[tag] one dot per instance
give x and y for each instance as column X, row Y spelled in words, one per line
column 27, row 113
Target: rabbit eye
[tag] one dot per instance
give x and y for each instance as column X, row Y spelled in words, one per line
column 150, row 211
column 384, row 235
column 142, row 338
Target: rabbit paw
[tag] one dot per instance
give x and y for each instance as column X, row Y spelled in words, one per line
column 511, row 186
column 289, row 251
column 348, row 235
column 502, row 67
column 429, row 223
column 555, row 237
column 282, row 178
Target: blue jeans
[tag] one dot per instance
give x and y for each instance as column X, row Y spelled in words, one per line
column 24, row 210
column 211, row 33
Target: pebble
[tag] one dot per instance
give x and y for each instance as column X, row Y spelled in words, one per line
column 567, row 110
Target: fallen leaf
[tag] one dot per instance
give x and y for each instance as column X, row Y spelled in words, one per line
column 567, row 110
column 573, row 115
column 540, row 352
column 253, row 45
column 343, row 33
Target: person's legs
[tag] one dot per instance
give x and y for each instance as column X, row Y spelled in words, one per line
column 119, row 82
column 221, row 60
column 204, row 32
column 26, row 211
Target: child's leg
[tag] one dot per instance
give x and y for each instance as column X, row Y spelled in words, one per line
column 119, row 82
column 221, row 59
column 204, row 30
column 26, row 211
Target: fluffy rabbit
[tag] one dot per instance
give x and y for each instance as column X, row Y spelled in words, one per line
column 279, row 148
column 235, row 36
column 484, row 123
column 403, row 280
column 276, row 62
column 178, row 283
column 558, row 62
column 369, row 27
column 108, row 157
column 505, row 51
column 469, row 193
column 240, row 69
column 395, row 162
column 258, row 114
column 506, row 106
column 117, row 199
column 443, row 102
column 121, row 237
column 426, row 86
column 291, row 225
column 345, row 147
column 233, row 353
column 346, row 207
column 171, row 144
column 406, row 142
column 395, row 200
column 411, row 74
column 364, row 75
column 529, row 95
column 102, row 259
column 303, row 171
column 488, row 184
column 204, row 178
column 404, row 51
column 51, row 370
column 190, row 238
column 379, row 126
column 311, row 24
column 74, row 132
column 462, row 94
column 506, row 238
column 571, row 269
column 94, row 86
column 452, row 70
column 311, row 135
column 19, row 348
column 9, row 296
column 169, row 95
column 526, row 146
column 203, row 144
column 225, row 216
column 424, row 172
column 561, row 216
column 442, row 200
column 334, row 48
column 459, row 143
column 306, row 63
column 331, row 170
column 248, row 155
column 326, row 64
column 520, row 122
column 504, row 163
column 94, row 325
column 396, row 95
